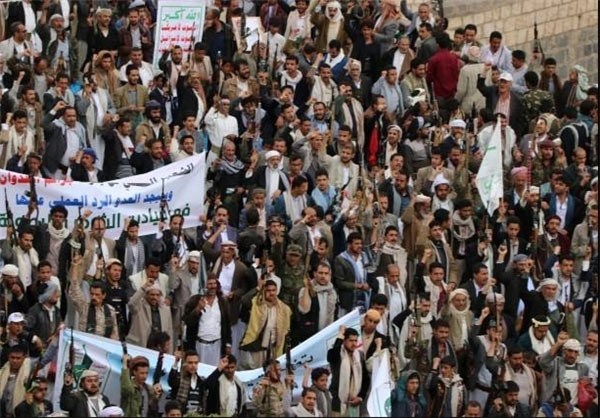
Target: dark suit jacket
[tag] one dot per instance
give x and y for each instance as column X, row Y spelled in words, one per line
column 242, row 282
column 192, row 320
column 385, row 342
column 142, row 161
column 512, row 288
column 574, row 214
column 259, row 179
column 213, row 402
column 25, row 410
column 535, row 305
column 121, row 245
column 113, row 153
column 75, row 402
column 516, row 119
column 78, row 173
column 477, row 301
column 163, row 248
column 212, row 252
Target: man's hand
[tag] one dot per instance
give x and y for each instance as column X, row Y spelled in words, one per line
column 355, row 401
column 157, row 390
column 502, row 250
column 427, row 254
column 174, row 263
column 68, row 379
column 436, row 363
column 59, row 106
column 562, row 338
column 223, row 362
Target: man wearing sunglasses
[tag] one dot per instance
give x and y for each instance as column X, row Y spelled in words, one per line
column 35, row 403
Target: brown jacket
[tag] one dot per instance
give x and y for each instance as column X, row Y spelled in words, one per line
column 232, row 90
column 121, row 99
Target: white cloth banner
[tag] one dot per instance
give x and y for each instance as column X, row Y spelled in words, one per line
column 137, row 197
column 104, row 356
column 489, row 178
column 379, row 401
column 178, row 22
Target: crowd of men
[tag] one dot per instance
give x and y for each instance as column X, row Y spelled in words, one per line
column 342, row 151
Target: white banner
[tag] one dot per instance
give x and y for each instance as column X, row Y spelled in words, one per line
column 178, row 22
column 137, row 197
column 379, row 401
column 490, row 177
column 105, row 356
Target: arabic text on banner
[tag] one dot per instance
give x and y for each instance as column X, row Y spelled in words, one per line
column 137, row 197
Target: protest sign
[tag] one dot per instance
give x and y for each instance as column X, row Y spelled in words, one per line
column 178, row 22
column 104, row 356
column 181, row 184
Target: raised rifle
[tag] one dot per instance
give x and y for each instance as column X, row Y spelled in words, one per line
column 191, row 47
column 75, row 241
column 70, row 366
column 121, row 329
column 10, row 221
column 288, row 354
column 33, row 197
column 158, row 371
column 274, row 66
column 537, row 45
column 164, row 205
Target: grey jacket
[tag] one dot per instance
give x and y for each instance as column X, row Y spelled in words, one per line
column 548, row 364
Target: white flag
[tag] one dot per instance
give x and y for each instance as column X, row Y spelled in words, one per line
column 379, row 403
column 489, row 178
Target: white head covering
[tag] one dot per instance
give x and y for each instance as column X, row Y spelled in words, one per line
column 458, row 123
column 272, row 154
column 155, row 286
column 547, row 282
column 439, row 180
column 112, row 411
column 10, row 270
column 572, row 344
column 338, row 16
column 421, row 198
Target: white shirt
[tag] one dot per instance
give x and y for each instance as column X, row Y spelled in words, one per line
column 272, row 181
column 231, row 397
column 226, row 277
column 30, row 19
column 561, row 211
column 209, row 327
column 399, row 58
column 105, row 254
column 146, row 73
column 72, row 147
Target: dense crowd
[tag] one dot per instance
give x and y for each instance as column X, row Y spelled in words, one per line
column 342, row 152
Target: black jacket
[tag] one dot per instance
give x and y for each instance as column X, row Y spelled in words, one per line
column 213, row 401
column 192, row 320
column 25, row 410
column 75, row 402
column 142, row 162
column 78, row 173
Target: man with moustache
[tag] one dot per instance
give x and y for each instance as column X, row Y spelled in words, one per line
column 86, row 402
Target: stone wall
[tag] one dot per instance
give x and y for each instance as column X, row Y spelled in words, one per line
column 568, row 29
